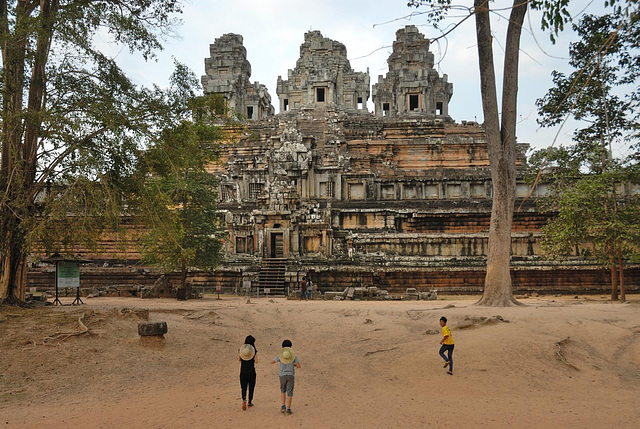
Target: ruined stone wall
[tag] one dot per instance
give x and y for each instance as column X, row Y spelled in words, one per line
column 340, row 188
column 463, row 279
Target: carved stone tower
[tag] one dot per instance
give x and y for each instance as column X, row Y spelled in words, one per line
column 323, row 77
column 412, row 85
column 228, row 72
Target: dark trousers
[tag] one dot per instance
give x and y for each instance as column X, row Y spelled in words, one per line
column 247, row 380
column 448, row 348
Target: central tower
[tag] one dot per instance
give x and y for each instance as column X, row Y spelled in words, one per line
column 323, row 77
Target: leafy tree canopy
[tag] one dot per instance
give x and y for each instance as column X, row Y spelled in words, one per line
column 73, row 124
column 178, row 195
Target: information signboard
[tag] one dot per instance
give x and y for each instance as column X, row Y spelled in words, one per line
column 68, row 274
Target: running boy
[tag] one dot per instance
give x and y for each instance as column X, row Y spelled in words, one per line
column 447, row 345
column 288, row 362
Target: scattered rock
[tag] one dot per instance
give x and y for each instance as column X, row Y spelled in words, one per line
column 157, row 329
column 431, row 332
column 432, row 295
column 161, row 287
column 367, row 321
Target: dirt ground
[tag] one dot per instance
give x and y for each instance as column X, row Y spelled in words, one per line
column 364, row 364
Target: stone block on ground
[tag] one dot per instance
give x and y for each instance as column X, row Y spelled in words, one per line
column 146, row 329
column 329, row 295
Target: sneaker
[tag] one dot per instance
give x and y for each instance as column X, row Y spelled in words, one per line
column 244, row 405
column 283, row 409
column 449, row 372
column 250, row 404
column 288, row 412
column 446, row 364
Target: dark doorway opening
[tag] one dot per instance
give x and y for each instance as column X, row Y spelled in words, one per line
column 413, row 102
column 320, row 95
column 277, row 245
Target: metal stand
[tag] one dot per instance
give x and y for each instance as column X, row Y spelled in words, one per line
column 57, row 301
column 77, row 301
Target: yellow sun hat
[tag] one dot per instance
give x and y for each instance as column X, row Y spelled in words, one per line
column 247, row 352
column 286, row 355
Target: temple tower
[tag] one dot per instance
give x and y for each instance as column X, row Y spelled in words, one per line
column 228, row 72
column 412, row 86
column 323, row 77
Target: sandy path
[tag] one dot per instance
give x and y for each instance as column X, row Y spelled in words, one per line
column 364, row 364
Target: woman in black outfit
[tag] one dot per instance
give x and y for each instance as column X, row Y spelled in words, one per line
column 248, row 357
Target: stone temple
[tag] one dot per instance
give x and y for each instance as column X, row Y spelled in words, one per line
column 398, row 198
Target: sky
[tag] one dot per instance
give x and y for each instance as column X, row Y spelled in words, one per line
column 273, row 31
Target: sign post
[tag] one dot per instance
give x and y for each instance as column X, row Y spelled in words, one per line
column 67, row 275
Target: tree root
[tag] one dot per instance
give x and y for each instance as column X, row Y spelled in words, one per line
column 498, row 301
column 12, row 301
column 559, row 345
column 59, row 337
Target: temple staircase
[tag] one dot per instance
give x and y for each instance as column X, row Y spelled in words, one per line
column 272, row 276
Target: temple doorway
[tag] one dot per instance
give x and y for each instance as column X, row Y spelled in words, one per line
column 277, row 245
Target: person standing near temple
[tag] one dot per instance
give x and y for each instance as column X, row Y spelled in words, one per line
column 248, row 357
column 447, row 345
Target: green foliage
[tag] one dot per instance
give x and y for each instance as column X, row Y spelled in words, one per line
column 604, row 58
column 70, row 178
column 436, row 9
column 589, row 192
column 178, row 196
column 591, row 221
column 554, row 15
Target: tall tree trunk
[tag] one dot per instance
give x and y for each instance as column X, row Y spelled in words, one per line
column 12, row 169
column 20, row 134
column 614, row 279
column 13, row 272
column 37, row 89
column 183, row 276
column 623, row 298
column 501, row 141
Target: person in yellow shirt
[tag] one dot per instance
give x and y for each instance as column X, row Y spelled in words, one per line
column 447, row 345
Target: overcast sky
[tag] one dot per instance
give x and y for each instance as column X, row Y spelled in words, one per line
column 273, row 31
